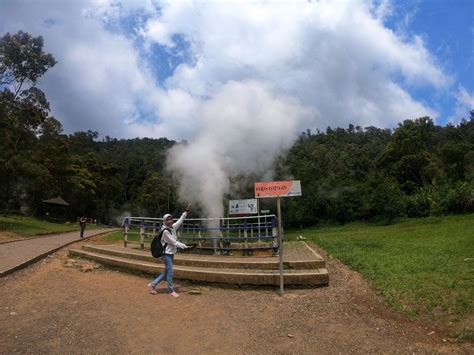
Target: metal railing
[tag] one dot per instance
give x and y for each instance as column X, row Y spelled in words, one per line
column 219, row 235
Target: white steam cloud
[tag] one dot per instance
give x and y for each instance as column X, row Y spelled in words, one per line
column 244, row 127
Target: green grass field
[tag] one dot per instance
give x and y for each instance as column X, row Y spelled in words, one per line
column 423, row 267
column 118, row 237
column 29, row 226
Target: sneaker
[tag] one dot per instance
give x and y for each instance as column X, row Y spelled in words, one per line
column 174, row 294
column 152, row 290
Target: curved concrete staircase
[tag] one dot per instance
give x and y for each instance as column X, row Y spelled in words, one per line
column 301, row 264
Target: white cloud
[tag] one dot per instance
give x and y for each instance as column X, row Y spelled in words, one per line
column 330, row 55
column 336, row 57
column 464, row 104
column 382, row 9
column 179, row 115
column 99, row 81
column 465, row 98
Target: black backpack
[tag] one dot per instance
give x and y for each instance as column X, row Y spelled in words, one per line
column 157, row 249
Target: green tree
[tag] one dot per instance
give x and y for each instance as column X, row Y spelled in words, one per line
column 23, row 110
column 22, row 60
column 410, row 157
column 456, row 149
column 333, row 167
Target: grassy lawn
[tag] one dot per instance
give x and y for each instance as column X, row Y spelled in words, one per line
column 118, row 237
column 29, row 226
column 423, row 267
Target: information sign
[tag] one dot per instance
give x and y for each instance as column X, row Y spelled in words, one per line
column 248, row 206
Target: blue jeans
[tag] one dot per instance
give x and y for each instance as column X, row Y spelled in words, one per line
column 168, row 273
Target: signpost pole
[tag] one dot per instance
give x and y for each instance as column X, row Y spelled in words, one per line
column 278, row 189
column 280, row 244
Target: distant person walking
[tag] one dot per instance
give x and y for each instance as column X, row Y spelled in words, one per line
column 82, row 225
column 125, row 225
column 169, row 240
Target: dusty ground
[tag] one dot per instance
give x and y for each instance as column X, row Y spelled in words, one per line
column 53, row 307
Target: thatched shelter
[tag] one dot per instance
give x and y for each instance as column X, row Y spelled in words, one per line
column 56, row 208
column 56, row 201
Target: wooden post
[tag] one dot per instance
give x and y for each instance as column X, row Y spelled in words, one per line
column 125, row 232
column 245, row 236
column 142, row 237
column 280, row 245
column 200, row 236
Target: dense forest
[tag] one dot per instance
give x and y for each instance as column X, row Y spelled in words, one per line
column 347, row 174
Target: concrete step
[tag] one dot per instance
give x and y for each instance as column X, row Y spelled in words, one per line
column 312, row 261
column 312, row 277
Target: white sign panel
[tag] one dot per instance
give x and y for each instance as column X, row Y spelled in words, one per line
column 243, row 206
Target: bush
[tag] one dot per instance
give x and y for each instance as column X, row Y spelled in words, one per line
column 441, row 199
column 418, row 204
column 458, row 198
column 385, row 202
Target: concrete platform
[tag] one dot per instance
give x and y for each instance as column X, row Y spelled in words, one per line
column 302, row 265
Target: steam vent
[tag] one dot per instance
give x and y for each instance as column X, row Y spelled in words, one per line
column 237, row 250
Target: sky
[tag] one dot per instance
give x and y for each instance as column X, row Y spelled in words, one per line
column 239, row 80
column 146, row 68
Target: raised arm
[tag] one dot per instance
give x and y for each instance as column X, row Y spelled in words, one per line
column 181, row 219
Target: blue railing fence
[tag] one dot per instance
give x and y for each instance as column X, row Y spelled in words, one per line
column 220, row 235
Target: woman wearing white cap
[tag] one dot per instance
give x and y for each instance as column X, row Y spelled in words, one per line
column 170, row 239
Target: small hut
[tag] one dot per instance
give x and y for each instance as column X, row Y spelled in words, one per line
column 56, row 208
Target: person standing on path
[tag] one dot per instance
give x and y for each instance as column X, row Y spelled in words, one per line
column 169, row 240
column 82, row 225
column 125, row 225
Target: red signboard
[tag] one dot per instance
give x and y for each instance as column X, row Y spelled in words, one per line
column 277, row 189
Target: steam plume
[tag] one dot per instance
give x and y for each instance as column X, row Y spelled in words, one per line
column 244, row 127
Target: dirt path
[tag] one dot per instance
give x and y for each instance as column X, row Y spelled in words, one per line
column 52, row 308
column 22, row 252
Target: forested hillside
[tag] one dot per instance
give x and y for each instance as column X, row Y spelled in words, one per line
column 417, row 169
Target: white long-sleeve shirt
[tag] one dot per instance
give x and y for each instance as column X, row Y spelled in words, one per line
column 171, row 239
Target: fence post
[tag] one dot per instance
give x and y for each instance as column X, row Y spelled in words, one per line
column 125, row 232
column 280, row 246
column 142, row 236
